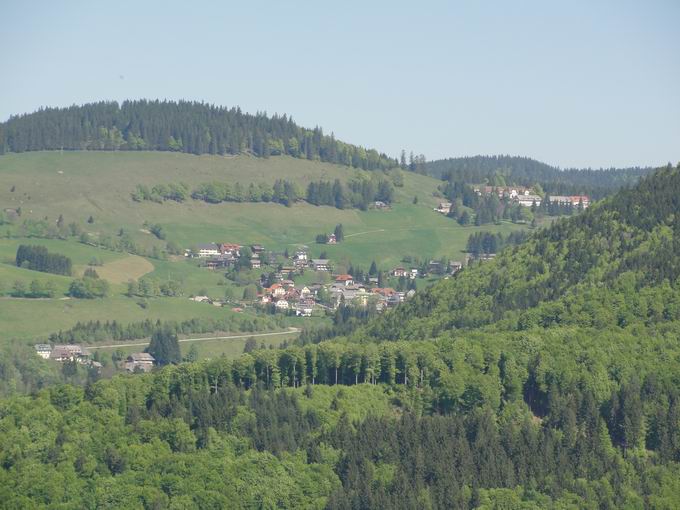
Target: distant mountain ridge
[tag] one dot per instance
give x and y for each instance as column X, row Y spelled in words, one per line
column 182, row 126
column 524, row 171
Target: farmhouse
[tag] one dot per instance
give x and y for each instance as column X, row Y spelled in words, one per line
column 205, row 250
column 574, row 200
column 352, row 294
column 527, row 200
column 399, row 272
column 221, row 261
column 434, row 267
column 257, row 248
column 69, row 352
column 255, row 262
column 454, row 267
column 304, row 308
column 321, row 265
column 444, row 207
column 282, row 305
column 331, row 239
column 344, row 279
column 230, row 249
column 277, row 290
column 139, row 361
column 43, row 350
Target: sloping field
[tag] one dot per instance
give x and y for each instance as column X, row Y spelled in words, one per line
column 98, row 184
column 121, row 270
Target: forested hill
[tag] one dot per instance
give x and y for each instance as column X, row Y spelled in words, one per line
column 522, row 171
column 568, row 397
column 616, row 264
column 183, row 126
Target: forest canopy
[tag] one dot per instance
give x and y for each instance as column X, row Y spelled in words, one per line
column 183, row 126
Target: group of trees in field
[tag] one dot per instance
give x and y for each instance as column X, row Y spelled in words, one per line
column 282, row 192
column 34, row 289
column 357, row 193
column 338, row 233
column 152, row 287
column 190, row 127
column 122, row 242
column 38, row 258
column 159, row 193
column 88, row 287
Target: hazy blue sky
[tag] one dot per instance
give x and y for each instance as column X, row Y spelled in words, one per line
column 578, row 84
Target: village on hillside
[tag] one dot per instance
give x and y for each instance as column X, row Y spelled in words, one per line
column 279, row 292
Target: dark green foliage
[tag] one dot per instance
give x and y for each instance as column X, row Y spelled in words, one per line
column 547, row 378
column 183, row 126
column 339, row 233
column 614, row 265
column 90, row 272
column 157, row 230
column 486, row 243
column 38, row 258
column 164, row 346
column 161, row 192
column 502, row 170
column 250, row 345
column 88, row 288
column 283, row 192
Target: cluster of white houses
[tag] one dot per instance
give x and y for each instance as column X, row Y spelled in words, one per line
column 434, row 267
column 139, row 361
column 522, row 196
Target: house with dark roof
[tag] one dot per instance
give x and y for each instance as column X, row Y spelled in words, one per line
column 140, row 361
column 321, row 265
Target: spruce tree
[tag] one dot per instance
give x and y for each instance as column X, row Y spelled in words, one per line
column 164, row 346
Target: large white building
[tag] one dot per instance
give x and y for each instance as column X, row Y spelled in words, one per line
column 207, row 250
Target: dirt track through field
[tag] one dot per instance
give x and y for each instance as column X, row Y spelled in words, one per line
column 290, row 331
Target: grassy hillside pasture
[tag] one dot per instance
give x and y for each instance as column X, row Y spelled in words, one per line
column 10, row 274
column 28, row 319
column 122, row 270
column 79, row 253
column 98, row 184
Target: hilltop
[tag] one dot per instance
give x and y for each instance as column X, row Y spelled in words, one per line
column 183, row 126
column 524, row 171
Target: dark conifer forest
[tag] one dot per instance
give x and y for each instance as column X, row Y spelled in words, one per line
column 190, row 127
column 523, row 171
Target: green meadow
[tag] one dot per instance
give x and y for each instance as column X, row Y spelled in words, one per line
column 77, row 185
